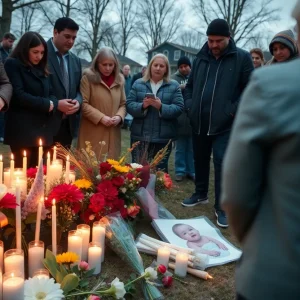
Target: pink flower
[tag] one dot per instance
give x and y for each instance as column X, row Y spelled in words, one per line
column 161, row 269
column 167, row 281
column 133, row 210
column 93, row 297
column 168, row 181
column 83, row 266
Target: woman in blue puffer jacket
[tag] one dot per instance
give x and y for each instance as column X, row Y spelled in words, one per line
column 155, row 102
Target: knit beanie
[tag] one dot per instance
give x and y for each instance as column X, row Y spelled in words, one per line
column 286, row 38
column 218, row 27
column 183, row 60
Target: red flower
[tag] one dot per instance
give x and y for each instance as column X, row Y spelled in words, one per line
column 65, row 192
column 129, row 176
column 97, row 202
column 107, row 189
column 119, row 205
column 85, row 217
column 31, row 172
column 167, row 281
column 168, row 181
column 133, row 211
column 8, row 201
column 161, row 269
column 144, row 175
column 104, row 168
column 117, row 181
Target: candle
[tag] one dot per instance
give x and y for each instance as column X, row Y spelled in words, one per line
column 54, row 154
column 12, row 168
column 1, row 257
column 75, row 242
column 85, row 234
column 35, row 256
column 14, row 260
column 41, row 273
column 99, row 236
column 40, row 152
column 181, row 264
column 6, row 176
column 54, row 238
column 67, row 176
column 18, row 216
column 163, row 255
column 1, row 169
column 72, row 177
column 13, row 286
column 94, row 257
column 38, row 219
column 47, row 174
column 24, row 164
column 198, row 273
column 55, row 172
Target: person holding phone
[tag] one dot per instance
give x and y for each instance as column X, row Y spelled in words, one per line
column 155, row 102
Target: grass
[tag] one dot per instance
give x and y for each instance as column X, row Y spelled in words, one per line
column 220, row 288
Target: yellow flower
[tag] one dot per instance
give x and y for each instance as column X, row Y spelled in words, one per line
column 113, row 162
column 67, row 258
column 122, row 169
column 83, row 183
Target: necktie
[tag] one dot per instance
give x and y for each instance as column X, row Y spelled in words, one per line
column 64, row 73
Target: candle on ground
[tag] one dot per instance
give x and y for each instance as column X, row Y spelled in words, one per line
column 98, row 236
column 13, row 286
column 181, row 264
column 85, row 234
column 12, row 168
column 40, row 152
column 67, row 175
column 75, row 242
column 163, row 255
column 1, row 169
column 94, row 257
column 18, row 216
column 38, row 219
column 54, row 236
column 35, row 256
column 24, row 164
column 14, row 260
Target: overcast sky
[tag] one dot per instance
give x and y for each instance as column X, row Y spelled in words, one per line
column 286, row 22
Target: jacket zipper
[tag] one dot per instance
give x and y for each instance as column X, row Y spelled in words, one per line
column 212, row 99
column 202, row 98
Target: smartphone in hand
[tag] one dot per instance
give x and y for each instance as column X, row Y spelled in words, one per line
column 150, row 95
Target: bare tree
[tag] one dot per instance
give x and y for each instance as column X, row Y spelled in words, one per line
column 158, row 21
column 243, row 16
column 191, row 38
column 93, row 32
column 8, row 7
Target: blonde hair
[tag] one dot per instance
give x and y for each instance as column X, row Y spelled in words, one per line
column 148, row 76
column 106, row 53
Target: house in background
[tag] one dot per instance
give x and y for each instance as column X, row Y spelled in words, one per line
column 135, row 67
column 173, row 52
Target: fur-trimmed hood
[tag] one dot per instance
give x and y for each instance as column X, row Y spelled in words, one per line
column 95, row 77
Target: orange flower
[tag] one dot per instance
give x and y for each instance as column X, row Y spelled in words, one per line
column 133, row 210
column 168, row 181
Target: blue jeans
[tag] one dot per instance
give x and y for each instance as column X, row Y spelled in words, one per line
column 184, row 160
column 203, row 145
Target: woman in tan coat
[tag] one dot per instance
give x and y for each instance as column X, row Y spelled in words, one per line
column 103, row 108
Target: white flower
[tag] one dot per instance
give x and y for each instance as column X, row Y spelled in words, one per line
column 118, row 288
column 150, row 274
column 43, row 289
column 123, row 190
column 98, row 177
column 136, row 166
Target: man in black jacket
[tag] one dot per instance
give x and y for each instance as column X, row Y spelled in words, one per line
column 219, row 75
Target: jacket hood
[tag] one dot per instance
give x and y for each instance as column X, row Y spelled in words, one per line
column 95, row 77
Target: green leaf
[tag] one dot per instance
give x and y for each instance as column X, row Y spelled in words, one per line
column 30, row 218
column 75, row 270
column 51, row 264
column 63, row 270
column 83, row 283
column 89, row 273
column 69, row 283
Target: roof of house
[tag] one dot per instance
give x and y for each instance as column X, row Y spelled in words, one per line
column 181, row 47
column 124, row 60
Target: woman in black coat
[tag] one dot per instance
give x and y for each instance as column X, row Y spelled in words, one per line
column 32, row 104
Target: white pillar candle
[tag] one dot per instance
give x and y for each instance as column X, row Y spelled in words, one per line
column 6, row 177
column 40, row 152
column 181, row 264
column 98, row 236
column 25, row 164
column 55, row 171
column 38, row 220
column 14, row 260
column 41, row 273
column 94, row 257
column 85, row 234
column 54, row 153
column 12, row 168
column 54, row 236
column 18, row 216
column 35, row 256
column 1, row 169
column 1, row 257
column 75, row 242
column 13, row 286
column 67, row 175
column 163, row 256
column 72, row 177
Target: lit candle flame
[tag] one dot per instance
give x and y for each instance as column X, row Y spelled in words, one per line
column 0, row 157
column 24, row 153
column 53, row 202
column 12, row 157
column 12, row 274
column 41, row 142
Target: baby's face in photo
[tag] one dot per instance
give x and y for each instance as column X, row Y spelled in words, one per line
column 188, row 233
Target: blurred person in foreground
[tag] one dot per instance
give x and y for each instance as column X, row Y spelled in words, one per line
column 261, row 183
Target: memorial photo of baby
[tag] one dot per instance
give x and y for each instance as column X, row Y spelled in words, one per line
column 200, row 243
